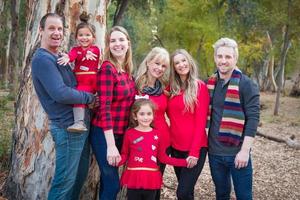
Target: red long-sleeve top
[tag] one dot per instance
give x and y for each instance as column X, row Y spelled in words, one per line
column 78, row 54
column 141, row 150
column 187, row 129
column 160, row 123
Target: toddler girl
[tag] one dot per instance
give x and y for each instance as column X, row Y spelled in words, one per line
column 86, row 57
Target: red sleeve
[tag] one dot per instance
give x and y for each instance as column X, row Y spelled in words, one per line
column 105, row 85
column 95, row 50
column 125, row 149
column 200, row 137
column 73, row 54
column 164, row 158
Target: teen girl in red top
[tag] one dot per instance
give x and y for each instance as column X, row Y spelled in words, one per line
column 116, row 90
column 86, row 57
column 141, row 151
column 187, row 110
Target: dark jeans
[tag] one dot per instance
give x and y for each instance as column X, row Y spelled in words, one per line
column 72, row 152
column 222, row 169
column 187, row 177
column 109, row 178
column 141, row 194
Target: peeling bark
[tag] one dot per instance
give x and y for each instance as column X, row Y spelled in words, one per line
column 32, row 159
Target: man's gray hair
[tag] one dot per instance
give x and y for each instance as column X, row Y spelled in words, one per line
column 227, row 42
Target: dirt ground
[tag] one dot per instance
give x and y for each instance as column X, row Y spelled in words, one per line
column 276, row 166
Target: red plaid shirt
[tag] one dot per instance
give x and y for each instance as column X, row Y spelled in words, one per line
column 116, row 93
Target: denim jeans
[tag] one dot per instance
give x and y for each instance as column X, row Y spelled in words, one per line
column 222, row 169
column 187, row 177
column 71, row 163
column 109, row 177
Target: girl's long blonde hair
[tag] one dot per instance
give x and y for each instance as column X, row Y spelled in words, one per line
column 141, row 75
column 190, row 86
column 128, row 64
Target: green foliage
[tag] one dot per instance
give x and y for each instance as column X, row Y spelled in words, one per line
column 195, row 25
column 6, row 124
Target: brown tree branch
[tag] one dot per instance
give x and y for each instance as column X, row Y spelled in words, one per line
column 291, row 142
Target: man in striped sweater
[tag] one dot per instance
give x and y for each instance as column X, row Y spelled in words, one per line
column 233, row 119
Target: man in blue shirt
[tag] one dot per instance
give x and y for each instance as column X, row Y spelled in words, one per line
column 234, row 117
column 54, row 86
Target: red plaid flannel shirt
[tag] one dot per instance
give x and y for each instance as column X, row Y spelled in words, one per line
column 116, row 93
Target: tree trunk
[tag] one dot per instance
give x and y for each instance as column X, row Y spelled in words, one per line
column 5, row 27
column 32, row 159
column 120, row 10
column 13, row 52
column 285, row 47
column 268, row 80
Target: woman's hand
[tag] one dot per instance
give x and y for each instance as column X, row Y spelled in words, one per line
column 113, row 156
column 64, row 59
column 191, row 161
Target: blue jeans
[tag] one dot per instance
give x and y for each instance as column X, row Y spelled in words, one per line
column 222, row 169
column 109, row 177
column 71, row 163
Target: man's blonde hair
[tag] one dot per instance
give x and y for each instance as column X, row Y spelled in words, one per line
column 227, row 42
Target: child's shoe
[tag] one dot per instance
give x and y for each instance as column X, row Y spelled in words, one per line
column 77, row 127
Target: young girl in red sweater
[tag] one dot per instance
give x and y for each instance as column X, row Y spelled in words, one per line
column 86, row 56
column 141, row 151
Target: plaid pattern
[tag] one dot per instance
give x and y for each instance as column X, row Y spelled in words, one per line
column 233, row 119
column 116, row 93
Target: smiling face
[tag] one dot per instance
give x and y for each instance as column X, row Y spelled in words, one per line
column 52, row 34
column 85, row 37
column 156, row 68
column 181, row 66
column 118, row 45
column 225, row 60
column 144, row 116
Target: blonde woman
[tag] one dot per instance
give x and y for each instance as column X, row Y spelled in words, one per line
column 116, row 90
column 151, row 79
column 187, row 111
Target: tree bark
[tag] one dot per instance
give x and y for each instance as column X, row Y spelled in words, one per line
column 32, row 158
